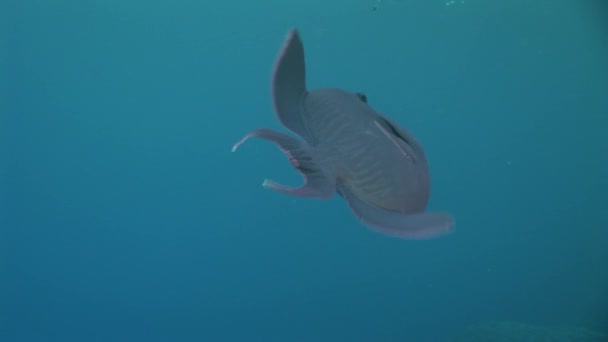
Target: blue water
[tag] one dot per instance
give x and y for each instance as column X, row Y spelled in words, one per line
column 125, row 217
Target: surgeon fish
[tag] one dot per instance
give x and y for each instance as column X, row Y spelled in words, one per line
column 351, row 149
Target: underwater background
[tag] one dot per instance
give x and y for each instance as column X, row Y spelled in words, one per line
column 125, row 217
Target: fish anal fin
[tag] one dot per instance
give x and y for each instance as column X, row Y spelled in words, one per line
column 422, row 225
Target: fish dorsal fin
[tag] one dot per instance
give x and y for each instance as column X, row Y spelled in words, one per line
column 289, row 83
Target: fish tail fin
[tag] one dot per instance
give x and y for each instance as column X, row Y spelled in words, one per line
column 317, row 181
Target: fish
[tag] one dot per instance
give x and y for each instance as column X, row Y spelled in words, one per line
column 346, row 147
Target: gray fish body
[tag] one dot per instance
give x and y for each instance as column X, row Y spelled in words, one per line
column 343, row 132
column 378, row 167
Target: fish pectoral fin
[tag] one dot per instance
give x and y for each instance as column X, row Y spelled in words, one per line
column 317, row 182
column 422, row 225
column 401, row 145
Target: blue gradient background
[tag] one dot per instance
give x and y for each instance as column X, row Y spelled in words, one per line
column 124, row 216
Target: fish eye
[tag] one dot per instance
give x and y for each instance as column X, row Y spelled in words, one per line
column 362, row 97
